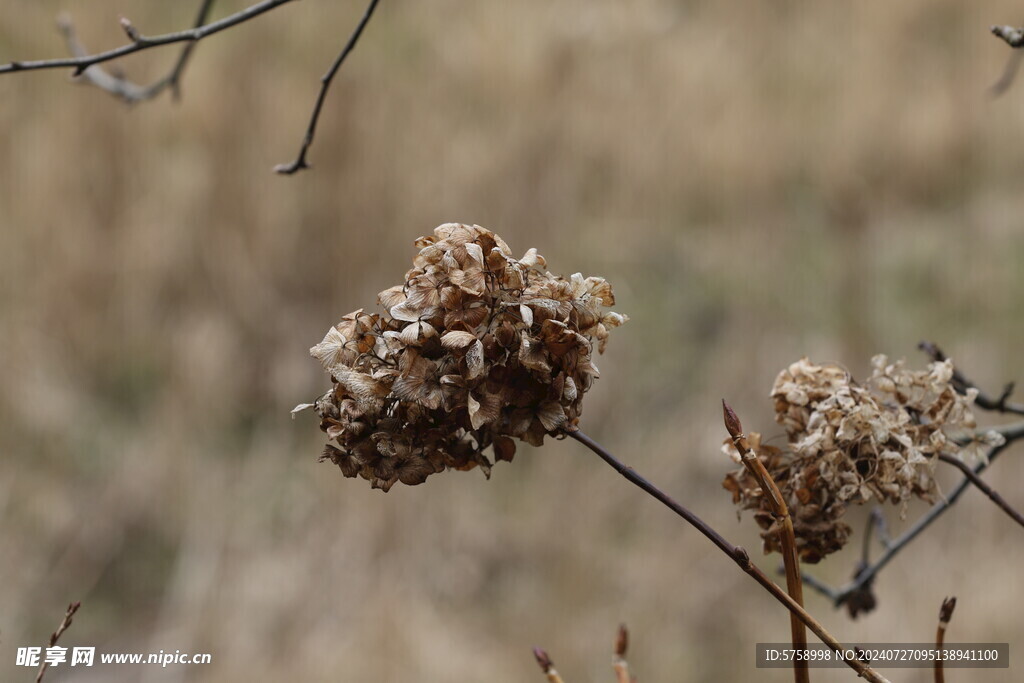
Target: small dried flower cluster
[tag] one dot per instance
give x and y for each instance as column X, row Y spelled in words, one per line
column 475, row 348
column 850, row 443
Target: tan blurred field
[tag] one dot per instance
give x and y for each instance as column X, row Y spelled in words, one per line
column 759, row 183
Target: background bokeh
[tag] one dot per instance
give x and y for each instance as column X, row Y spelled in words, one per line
column 759, row 182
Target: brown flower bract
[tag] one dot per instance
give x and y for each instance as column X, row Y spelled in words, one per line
column 475, row 348
column 850, row 443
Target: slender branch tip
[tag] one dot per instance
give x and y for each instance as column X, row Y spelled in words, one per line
column 732, row 420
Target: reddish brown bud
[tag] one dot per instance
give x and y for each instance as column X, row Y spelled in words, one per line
column 732, row 421
column 622, row 641
column 543, row 659
column 946, row 611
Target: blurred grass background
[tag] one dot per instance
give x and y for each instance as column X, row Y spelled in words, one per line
column 758, row 182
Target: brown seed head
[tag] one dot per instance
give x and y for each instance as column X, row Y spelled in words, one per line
column 851, row 442
column 473, row 350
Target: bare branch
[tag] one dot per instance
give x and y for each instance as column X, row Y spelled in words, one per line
column 122, row 87
column 64, row 624
column 325, row 84
column 141, row 42
column 840, row 595
column 736, row 553
column 985, row 488
column 86, row 66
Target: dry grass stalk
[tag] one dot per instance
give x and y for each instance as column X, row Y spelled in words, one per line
column 64, row 624
column 945, row 613
column 784, row 522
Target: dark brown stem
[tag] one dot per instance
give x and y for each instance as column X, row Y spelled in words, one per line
column 787, row 536
column 81, row 63
column 64, row 624
column 985, row 488
column 325, row 84
column 736, row 553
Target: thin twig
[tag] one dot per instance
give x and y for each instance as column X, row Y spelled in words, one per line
column 141, row 42
column 736, row 553
column 118, row 85
column 325, row 84
column 173, row 80
column 546, row 665
column 64, row 624
column 787, row 536
column 962, row 384
column 815, row 583
column 945, row 613
column 619, row 663
column 839, row 595
column 985, row 488
column 863, row 600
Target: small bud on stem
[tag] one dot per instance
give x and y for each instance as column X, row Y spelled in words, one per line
column 946, row 611
column 732, row 421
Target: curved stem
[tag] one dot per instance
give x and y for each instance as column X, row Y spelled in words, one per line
column 736, row 553
column 325, row 83
column 787, row 535
column 839, row 595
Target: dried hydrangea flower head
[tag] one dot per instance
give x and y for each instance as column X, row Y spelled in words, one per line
column 850, row 443
column 475, row 349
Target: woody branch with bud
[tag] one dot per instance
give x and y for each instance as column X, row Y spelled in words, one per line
column 783, row 527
